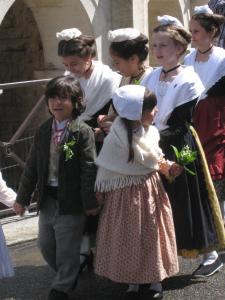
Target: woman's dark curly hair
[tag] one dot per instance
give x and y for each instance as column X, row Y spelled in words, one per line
column 81, row 46
column 125, row 49
column 66, row 87
column 209, row 22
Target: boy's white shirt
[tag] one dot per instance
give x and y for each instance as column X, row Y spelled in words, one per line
column 7, row 195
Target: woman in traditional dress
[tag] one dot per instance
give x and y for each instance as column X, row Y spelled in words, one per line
column 96, row 79
column 196, row 211
column 98, row 82
column 209, row 115
column 128, row 50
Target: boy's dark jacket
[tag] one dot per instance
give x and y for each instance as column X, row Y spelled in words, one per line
column 76, row 176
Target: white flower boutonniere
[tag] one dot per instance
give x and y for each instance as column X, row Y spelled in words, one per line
column 185, row 156
column 67, row 149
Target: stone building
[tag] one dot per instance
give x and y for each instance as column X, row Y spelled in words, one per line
column 28, row 45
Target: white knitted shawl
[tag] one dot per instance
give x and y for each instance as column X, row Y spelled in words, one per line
column 114, row 169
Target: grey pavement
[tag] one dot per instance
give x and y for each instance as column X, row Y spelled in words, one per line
column 33, row 277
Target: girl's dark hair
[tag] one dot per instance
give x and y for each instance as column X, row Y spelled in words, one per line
column 179, row 35
column 126, row 49
column 209, row 22
column 149, row 102
column 81, row 46
column 66, row 87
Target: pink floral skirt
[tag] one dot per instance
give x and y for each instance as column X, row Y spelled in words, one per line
column 136, row 240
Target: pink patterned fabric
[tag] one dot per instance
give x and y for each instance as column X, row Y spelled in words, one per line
column 136, row 239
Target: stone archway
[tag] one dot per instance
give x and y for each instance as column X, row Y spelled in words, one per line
column 21, row 54
column 55, row 15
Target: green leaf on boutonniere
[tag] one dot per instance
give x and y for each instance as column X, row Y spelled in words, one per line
column 185, row 157
column 136, row 81
column 67, row 149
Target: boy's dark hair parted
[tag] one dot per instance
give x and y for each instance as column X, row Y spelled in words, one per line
column 149, row 102
column 66, row 87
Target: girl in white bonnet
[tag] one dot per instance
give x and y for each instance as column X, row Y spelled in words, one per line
column 98, row 81
column 136, row 240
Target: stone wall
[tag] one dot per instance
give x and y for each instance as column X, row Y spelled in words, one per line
column 20, row 54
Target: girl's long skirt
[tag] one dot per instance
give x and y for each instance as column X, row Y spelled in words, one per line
column 6, row 269
column 136, row 240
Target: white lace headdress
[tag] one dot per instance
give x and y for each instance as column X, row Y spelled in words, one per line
column 169, row 20
column 68, row 34
column 123, row 34
column 204, row 9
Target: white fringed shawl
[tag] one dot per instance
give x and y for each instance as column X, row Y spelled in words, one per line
column 114, row 171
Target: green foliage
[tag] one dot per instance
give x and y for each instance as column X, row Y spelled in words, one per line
column 185, row 157
column 67, row 149
column 136, row 81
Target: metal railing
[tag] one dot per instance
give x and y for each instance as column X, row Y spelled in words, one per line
column 9, row 149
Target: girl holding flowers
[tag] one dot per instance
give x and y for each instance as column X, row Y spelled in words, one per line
column 196, row 211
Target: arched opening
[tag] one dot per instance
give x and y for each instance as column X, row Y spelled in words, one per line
column 21, row 54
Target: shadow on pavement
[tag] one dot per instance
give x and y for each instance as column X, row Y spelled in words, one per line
column 180, row 282
column 29, row 283
column 34, row 283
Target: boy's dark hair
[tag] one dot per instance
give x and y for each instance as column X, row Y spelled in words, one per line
column 126, row 49
column 81, row 46
column 149, row 102
column 66, row 87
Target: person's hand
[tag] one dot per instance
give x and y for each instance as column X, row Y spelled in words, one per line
column 175, row 170
column 101, row 118
column 93, row 212
column 99, row 135
column 19, row 208
column 105, row 126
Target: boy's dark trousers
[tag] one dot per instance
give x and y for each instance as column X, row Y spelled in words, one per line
column 59, row 240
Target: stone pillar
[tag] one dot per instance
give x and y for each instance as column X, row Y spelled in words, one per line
column 140, row 15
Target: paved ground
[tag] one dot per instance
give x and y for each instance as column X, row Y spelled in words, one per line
column 33, row 277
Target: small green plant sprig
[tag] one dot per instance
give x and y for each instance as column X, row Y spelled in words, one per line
column 67, row 149
column 185, row 157
column 137, row 81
